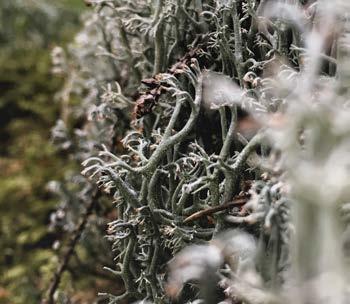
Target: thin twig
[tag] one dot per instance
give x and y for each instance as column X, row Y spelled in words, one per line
column 197, row 215
column 70, row 250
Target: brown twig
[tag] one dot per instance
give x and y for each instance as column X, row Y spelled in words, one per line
column 149, row 98
column 70, row 250
column 238, row 201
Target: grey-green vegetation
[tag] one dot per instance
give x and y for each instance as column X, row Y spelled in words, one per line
column 214, row 138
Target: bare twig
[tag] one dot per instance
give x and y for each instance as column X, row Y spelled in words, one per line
column 239, row 201
column 70, row 250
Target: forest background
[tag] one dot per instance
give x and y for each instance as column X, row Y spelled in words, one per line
column 29, row 30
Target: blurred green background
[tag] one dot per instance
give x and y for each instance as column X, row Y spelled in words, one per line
column 29, row 29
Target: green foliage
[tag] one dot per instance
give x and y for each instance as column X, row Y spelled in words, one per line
column 28, row 29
